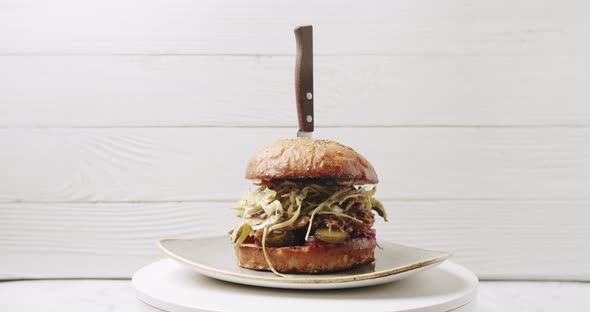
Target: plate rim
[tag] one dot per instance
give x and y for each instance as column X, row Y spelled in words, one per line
column 293, row 279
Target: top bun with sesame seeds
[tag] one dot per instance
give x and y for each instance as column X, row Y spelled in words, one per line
column 307, row 158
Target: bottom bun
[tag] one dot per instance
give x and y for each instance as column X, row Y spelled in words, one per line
column 309, row 259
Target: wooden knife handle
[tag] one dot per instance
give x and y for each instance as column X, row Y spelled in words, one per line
column 304, row 77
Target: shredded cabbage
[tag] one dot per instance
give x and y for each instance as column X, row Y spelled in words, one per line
column 270, row 208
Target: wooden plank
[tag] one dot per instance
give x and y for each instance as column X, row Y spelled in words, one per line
column 106, row 91
column 174, row 164
column 265, row 26
column 501, row 239
column 496, row 239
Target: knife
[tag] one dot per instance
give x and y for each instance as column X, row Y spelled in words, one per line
column 304, row 80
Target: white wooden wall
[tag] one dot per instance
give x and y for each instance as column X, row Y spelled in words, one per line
column 126, row 121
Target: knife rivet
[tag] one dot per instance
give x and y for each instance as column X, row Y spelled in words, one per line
column 309, row 118
column 309, row 95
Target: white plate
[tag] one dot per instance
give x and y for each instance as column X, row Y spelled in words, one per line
column 214, row 257
column 171, row 286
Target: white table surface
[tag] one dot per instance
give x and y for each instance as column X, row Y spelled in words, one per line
column 118, row 295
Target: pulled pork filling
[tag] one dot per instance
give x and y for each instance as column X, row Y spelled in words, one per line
column 296, row 213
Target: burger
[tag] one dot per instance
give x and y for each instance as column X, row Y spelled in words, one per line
column 311, row 211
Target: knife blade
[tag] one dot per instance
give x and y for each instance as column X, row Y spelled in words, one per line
column 304, row 80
